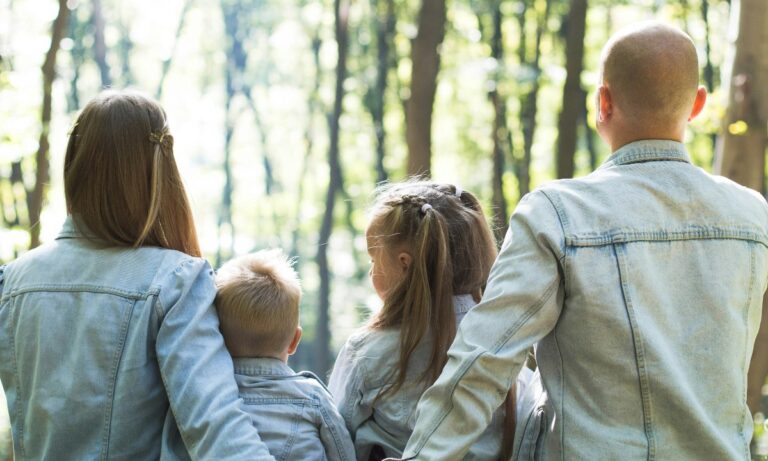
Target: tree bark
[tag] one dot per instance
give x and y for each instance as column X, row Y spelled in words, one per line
column 742, row 144
column 99, row 44
column 500, row 133
column 529, row 100
column 573, row 94
column 384, row 26
column 425, row 64
column 36, row 196
column 335, row 184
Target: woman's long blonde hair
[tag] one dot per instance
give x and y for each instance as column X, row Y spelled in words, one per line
column 120, row 177
column 452, row 250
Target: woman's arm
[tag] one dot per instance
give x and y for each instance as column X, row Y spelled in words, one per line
column 197, row 370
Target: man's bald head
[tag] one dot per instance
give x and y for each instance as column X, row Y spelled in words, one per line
column 652, row 73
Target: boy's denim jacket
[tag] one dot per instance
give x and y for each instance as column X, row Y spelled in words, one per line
column 294, row 412
column 642, row 284
column 364, row 367
column 114, row 353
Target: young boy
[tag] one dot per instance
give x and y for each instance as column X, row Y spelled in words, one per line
column 258, row 304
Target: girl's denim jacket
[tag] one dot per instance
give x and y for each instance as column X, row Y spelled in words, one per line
column 114, row 353
column 364, row 367
column 642, row 285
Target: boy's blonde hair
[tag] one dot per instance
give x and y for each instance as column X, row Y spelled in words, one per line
column 257, row 300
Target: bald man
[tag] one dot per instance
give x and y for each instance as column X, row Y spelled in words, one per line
column 640, row 286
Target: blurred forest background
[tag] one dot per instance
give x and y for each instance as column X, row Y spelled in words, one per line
column 287, row 113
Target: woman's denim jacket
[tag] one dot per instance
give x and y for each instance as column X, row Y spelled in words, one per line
column 113, row 353
column 364, row 367
column 294, row 412
column 642, row 284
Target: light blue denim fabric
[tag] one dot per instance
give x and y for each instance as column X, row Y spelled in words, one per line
column 364, row 367
column 642, row 284
column 294, row 412
column 109, row 353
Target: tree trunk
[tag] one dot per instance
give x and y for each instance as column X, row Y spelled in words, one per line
column 99, row 44
column 425, row 64
column 500, row 134
column 335, row 184
column 36, row 196
column 573, row 94
column 529, row 100
column 167, row 61
column 384, row 25
column 741, row 147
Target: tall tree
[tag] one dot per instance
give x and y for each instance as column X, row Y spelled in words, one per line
column 100, row 44
column 529, row 99
column 36, row 196
column 169, row 59
column 500, row 133
column 384, row 27
column 425, row 64
column 742, row 144
column 335, row 185
column 573, row 94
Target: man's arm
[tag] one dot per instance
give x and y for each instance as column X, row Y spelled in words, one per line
column 521, row 305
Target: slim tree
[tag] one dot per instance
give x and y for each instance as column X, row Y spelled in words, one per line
column 741, row 147
column 335, row 185
column 573, row 94
column 425, row 64
column 36, row 196
column 99, row 43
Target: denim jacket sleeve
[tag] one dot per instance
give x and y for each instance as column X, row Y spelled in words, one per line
column 346, row 386
column 197, row 370
column 521, row 305
column 333, row 433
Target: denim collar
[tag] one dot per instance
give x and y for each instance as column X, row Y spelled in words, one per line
column 647, row 150
column 74, row 228
column 261, row 366
column 463, row 303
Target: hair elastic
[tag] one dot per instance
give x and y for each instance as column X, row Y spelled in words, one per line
column 459, row 191
column 426, row 207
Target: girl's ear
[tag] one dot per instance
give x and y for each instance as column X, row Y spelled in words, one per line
column 405, row 260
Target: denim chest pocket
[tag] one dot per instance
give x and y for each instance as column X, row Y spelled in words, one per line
column 53, row 333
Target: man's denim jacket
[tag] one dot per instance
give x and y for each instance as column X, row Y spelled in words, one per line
column 642, row 284
column 364, row 367
column 294, row 412
column 112, row 353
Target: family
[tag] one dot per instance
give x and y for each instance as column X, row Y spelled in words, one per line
column 639, row 287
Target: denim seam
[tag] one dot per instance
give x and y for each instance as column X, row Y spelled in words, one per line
column 292, row 438
column 505, row 338
column 562, row 396
column 81, row 288
column 331, row 428
column 19, row 394
column 113, row 378
column 698, row 233
column 745, row 364
column 637, row 340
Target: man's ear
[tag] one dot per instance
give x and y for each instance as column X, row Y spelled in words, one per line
column 698, row 103
column 405, row 259
column 295, row 341
column 604, row 103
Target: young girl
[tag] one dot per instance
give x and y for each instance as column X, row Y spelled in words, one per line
column 431, row 251
column 110, row 342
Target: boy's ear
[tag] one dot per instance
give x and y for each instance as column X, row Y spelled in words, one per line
column 295, row 341
column 405, row 260
column 698, row 103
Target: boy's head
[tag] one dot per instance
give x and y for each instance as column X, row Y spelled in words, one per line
column 649, row 84
column 258, row 304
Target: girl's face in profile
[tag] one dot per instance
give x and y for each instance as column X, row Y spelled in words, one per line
column 387, row 266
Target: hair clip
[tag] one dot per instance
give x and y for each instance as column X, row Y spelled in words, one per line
column 426, row 207
column 459, row 191
column 157, row 136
